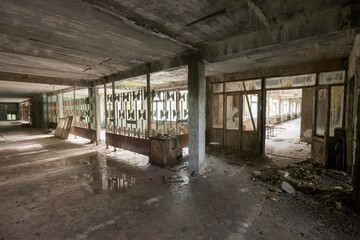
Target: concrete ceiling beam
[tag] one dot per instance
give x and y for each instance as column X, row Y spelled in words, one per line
column 155, row 66
column 334, row 23
column 16, row 77
column 284, row 71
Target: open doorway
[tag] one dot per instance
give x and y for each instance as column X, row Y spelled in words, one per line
column 288, row 139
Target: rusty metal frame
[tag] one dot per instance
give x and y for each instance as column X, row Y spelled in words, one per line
column 84, row 133
column 138, row 145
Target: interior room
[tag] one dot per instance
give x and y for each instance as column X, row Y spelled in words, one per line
column 284, row 124
column 195, row 119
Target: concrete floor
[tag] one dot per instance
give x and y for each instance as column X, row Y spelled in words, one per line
column 285, row 146
column 69, row 189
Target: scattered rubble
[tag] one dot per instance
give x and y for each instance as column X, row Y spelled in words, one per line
column 180, row 179
column 287, row 187
column 257, row 173
column 326, row 185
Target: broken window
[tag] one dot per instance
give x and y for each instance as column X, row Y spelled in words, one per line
column 321, row 100
column 247, row 121
column 336, row 108
column 217, row 111
column 232, row 112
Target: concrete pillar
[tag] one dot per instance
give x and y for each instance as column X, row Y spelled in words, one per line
column 197, row 118
column 45, row 113
column 148, row 100
column 61, row 106
column 105, row 107
column 97, row 112
column 280, row 110
column 114, row 107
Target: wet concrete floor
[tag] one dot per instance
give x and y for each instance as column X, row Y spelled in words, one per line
column 70, row 189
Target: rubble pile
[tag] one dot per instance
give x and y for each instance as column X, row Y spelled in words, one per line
column 331, row 186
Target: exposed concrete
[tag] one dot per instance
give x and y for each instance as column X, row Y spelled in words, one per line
column 197, row 118
column 56, row 40
column 306, row 114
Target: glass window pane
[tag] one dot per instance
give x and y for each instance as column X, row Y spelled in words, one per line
column 321, row 100
column 331, row 77
column 253, row 102
column 336, row 108
column 233, row 86
column 217, row 88
column 238, row 86
column 291, row 81
column 217, row 111
column 232, row 112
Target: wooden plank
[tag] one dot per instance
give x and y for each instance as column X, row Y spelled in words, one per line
column 59, row 127
column 67, row 126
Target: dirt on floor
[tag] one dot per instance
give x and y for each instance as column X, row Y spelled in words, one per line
column 70, row 189
column 284, row 147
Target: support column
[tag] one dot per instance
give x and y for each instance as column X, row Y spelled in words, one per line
column 97, row 112
column 197, row 118
column 356, row 169
column 61, row 106
column 264, row 111
column 45, row 114
column 105, row 107
column 114, row 109
column 148, row 98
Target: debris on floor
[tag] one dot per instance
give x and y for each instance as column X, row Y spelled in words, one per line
column 331, row 186
column 180, row 178
column 287, row 187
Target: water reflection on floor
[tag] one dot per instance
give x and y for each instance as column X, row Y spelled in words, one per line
column 102, row 174
column 122, row 182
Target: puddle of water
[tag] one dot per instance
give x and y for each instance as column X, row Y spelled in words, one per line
column 120, row 183
column 104, row 175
